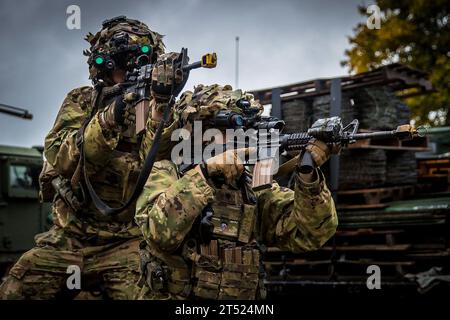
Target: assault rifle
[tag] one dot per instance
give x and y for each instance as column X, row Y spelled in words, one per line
column 328, row 130
column 142, row 77
column 137, row 82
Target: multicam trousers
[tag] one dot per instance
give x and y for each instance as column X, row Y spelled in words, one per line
column 42, row 272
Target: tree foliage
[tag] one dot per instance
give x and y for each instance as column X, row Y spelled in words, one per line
column 415, row 33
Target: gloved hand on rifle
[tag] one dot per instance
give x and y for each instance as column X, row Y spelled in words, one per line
column 321, row 152
column 118, row 113
column 167, row 77
column 228, row 165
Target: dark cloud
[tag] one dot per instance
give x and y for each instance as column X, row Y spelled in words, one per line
column 281, row 42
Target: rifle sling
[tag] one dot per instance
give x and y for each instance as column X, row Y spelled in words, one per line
column 143, row 175
column 288, row 167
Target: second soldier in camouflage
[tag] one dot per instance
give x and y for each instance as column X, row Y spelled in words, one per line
column 206, row 242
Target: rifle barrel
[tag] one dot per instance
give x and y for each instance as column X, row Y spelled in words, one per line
column 374, row 135
column 297, row 141
column 13, row 111
column 208, row 61
column 194, row 65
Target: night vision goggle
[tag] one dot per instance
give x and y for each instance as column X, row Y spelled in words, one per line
column 121, row 49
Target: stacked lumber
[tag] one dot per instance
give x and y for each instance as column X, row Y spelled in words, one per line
column 321, row 107
column 434, row 169
column 377, row 108
column 401, row 168
column 362, row 168
column 297, row 115
column 405, row 239
column 385, row 219
column 368, row 163
column 374, row 197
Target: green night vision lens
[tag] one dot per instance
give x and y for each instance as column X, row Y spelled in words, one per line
column 99, row 60
column 145, row 49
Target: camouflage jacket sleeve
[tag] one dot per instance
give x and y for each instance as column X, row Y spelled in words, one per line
column 61, row 150
column 169, row 205
column 60, row 143
column 299, row 220
column 166, row 142
column 100, row 142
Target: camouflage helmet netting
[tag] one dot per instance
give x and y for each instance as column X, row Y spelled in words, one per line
column 206, row 101
column 138, row 32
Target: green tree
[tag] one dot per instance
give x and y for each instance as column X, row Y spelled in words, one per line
column 415, row 33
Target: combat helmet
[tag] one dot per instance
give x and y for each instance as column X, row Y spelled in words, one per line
column 121, row 43
column 207, row 102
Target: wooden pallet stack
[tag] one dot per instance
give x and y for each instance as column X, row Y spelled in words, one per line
column 434, row 167
column 405, row 239
column 378, row 172
column 373, row 172
column 434, row 173
column 384, row 217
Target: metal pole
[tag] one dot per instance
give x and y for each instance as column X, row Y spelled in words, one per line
column 236, row 82
column 335, row 110
column 276, row 103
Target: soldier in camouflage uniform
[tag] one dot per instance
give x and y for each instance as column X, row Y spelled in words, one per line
column 105, row 248
column 205, row 241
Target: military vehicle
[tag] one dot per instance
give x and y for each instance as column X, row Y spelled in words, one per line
column 21, row 214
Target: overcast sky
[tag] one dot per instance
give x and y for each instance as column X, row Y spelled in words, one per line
column 281, row 42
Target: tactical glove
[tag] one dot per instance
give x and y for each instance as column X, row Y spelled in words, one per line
column 167, row 79
column 229, row 165
column 117, row 114
column 320, row 151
